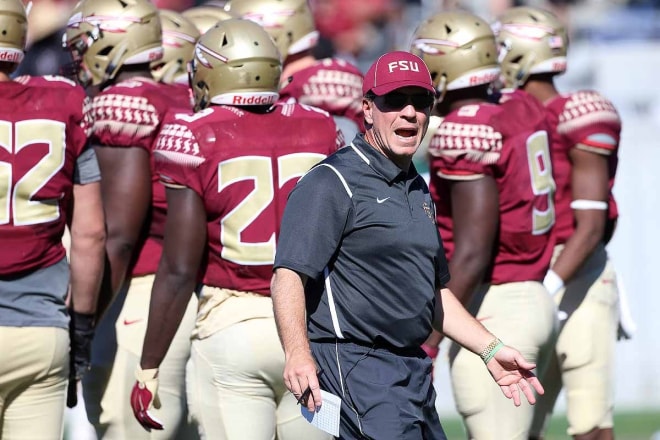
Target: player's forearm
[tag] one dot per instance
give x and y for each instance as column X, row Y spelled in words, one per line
column 587, row 236
column 468, row 269
column 288, row 294
column 126, row 190
column 87, row 253
column 460, row 326
column 170, row 295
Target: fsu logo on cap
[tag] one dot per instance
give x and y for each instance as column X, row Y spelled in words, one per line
column 411, row 66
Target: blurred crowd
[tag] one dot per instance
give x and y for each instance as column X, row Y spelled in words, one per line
column 356, row 31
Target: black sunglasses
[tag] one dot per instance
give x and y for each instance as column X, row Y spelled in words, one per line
column 398, row 100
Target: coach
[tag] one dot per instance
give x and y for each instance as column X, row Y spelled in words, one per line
column 360, row 274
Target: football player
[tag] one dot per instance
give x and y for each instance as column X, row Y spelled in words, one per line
column 586, row 130
column 492, row 185
column 113, row 43
column 333, row 84
column 228, row 168
column 50, row 178
column 179, row 37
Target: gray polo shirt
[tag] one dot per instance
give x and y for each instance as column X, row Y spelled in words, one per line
column 364, row 233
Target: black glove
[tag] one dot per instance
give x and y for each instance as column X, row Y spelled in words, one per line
column 81, row 332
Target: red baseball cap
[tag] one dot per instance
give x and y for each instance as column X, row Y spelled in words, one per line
column 395, row 70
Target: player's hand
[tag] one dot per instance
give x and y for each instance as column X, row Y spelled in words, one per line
column 145, row 396
column 432, row 352
column 300, row 377
column 513, row 374
column 81, row 333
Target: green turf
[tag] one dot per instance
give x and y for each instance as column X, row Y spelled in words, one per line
column 627, row 426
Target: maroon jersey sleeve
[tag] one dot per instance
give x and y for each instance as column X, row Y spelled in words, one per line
column 588, row 120
column 465, row 145
column 127, row 114
column 332, row 84
column 177, row 153
column 243, row 165
column 43, row 130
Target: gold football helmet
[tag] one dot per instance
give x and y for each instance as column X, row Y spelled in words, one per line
column 13, row 31
column 179, row 38
column 459, row 49
column 289, row 22
column 206, row 16
column 531, row 40
column 104, row 35
column 235, row 63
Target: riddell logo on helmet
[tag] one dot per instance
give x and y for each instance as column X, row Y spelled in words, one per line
column 254, row 100
column 559, row 66
column 483, row 78
column 403, row 65
column 12, row 57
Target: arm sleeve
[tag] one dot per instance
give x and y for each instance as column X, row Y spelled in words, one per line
column 316, row 216
column 87, row 168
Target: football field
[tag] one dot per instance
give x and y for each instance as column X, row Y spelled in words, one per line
column 628, row 425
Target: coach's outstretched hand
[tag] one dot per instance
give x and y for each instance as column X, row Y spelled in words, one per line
column 145, row 396
column 513, row 374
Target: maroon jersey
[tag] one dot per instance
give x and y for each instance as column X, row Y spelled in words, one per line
column 508, row 142
column 130, row 114
column 44, row 124
column 332, row 84
column 243, row 165
column 588, row 121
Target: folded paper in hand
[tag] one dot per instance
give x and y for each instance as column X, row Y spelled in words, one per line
column 326, row 418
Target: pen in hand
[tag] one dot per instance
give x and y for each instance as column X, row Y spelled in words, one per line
column 305, row 395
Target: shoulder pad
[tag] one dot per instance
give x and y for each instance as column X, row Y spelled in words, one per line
column 585, row 108
column 176, row 143
column 124, row 114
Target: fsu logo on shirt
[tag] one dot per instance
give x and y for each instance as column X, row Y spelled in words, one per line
column 428, row 210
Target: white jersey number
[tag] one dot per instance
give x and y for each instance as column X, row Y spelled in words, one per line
column 540, row 171
column 258, row 169
column 17, row 199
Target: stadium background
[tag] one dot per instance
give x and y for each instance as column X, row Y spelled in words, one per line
column 615, row 48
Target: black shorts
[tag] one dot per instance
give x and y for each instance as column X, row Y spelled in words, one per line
column 387, row 394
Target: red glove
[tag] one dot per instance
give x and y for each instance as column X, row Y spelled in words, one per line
column 431, row 352
column 144, row 396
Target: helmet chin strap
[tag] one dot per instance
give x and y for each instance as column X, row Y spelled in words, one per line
column 523, row 72
column 113, row 65
column 204, row 100
column 442, row 88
